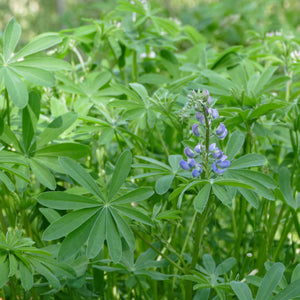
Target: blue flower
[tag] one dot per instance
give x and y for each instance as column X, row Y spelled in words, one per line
column 200, row 118
column 195, row 173
column 191, row 162
column 212, row 147
column 214, row 113
column 195, row 130
column 184, row 165
column 197, row 148
column 221, row 131
column 188, row 152
column 220, row 166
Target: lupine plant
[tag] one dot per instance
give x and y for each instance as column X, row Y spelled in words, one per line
column 143, row 158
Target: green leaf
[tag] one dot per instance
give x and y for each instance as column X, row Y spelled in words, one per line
column 45, row 63
column 8, row 183
column 11, row 37
column 296, row 273
column 4, row 271
column 209, row 263
column 174, row 162
column 234, row 144
column 124, row 229
column 13, row 265
column 42, row 174
column 137, row 195
column 202, row 197
column 16, row 88
column 264, row 79
column 56, row 127
column 163, row 184
column 120, row 174
column 113, row 238
column 232, row 182
column 97, row 235
column 285, row 186
column 140, row 90
column 72, row 150
column 291, row 291
column 68, row 223
column 79, row 174
column 63, row 200
column 39, row 43
column 35, row 75
column 248, row 160
column 30, row 115
column 46, row 273
column 250, row 196
column 259, row 187
column 75, row 240
column 225, row 266
column 270, row 281
column 134, row 214
column 242, row 290
column 50, row 214
column 222, row 195
column 26, row 276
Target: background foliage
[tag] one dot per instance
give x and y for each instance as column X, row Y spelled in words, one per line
column 94, row 124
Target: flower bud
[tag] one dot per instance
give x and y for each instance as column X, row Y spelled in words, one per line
column 221, row 129
column 191, row 162
column 214, row 113
column 188, row 152
column 212, row 147
column 195, row 173
column 197, row 149
column 184, row 165
column 223, row 164
column 195, row 130
column 217, row 154
column 200, row 118
column 223, row 136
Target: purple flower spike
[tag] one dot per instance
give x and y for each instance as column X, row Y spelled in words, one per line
column 214, row 113
column 195, row 173
column 184, row 165
column 223, row 164
column 195, row 130
column 188, row 152
column 223, row 136
column 221, row 129
column 198, row 148
column 200, row 118
column 191, row 162
column 212, row 147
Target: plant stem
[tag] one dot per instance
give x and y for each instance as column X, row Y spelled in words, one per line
column 134, row 67
column 159, row 252
column 7, row 107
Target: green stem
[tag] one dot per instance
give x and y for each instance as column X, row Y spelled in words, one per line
column 134, row 67
column 3, row 223
column 275, row 227
column 188, row 233
column 287, row 228
column 159, row 252
column 162, row 141
column 7, row 107
column 242, row 212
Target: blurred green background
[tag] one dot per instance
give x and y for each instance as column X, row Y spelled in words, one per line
column 228, row 20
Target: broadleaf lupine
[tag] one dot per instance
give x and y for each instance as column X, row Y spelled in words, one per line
column 206, row 156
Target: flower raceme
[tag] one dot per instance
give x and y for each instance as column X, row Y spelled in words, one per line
column 205, row 156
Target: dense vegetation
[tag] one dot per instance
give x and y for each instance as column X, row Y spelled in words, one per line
column 143, row 157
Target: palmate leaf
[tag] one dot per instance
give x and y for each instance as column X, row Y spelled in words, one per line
column 95, row 220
